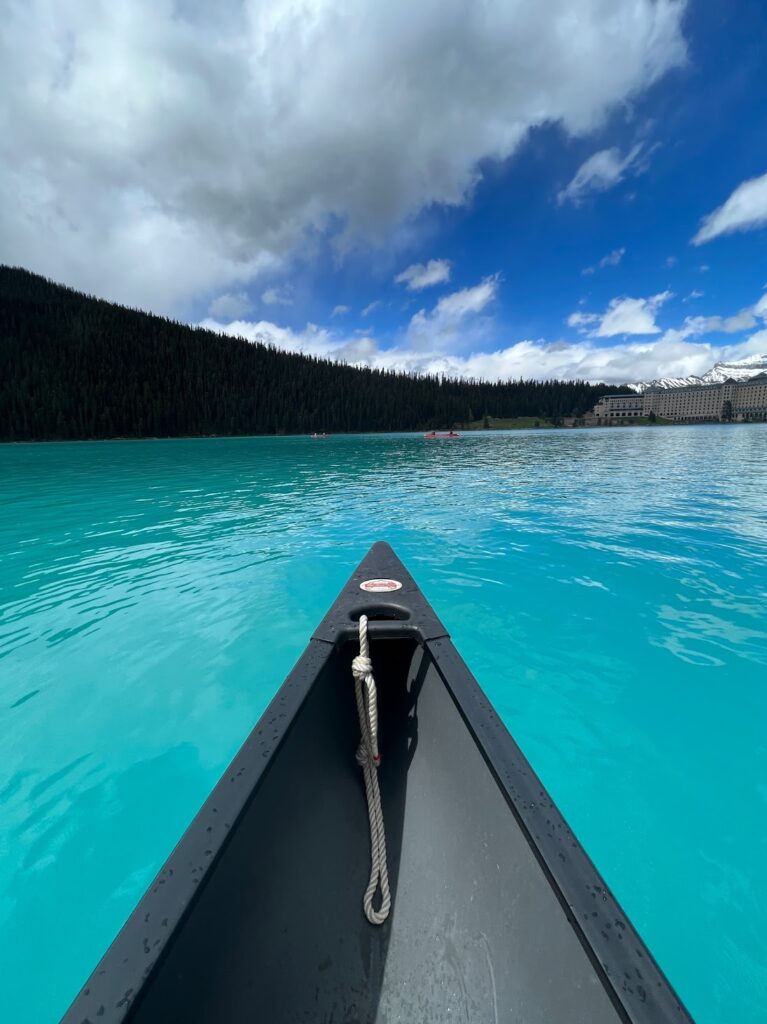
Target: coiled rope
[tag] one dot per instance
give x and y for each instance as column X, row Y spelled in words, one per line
column 369, row 759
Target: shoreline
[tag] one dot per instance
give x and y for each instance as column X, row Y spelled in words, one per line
column 503, row 427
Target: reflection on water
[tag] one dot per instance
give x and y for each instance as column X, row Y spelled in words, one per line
column 607, row 588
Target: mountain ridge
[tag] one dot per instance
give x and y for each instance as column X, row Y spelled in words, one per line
column 738, row 369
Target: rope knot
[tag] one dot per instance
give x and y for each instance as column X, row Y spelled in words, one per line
column 365, row 756
column 362, row 667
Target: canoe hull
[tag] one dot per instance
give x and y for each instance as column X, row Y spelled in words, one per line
column 498, row 914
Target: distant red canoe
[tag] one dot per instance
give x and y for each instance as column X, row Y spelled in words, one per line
column 434, row 436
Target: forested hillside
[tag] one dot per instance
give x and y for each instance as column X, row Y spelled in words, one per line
column 74, row 367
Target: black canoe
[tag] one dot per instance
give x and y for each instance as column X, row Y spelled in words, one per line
column 498, row 915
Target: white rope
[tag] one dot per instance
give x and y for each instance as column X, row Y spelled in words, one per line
column 369, row 759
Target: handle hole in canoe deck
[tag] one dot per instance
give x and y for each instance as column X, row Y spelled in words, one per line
column 380, row 611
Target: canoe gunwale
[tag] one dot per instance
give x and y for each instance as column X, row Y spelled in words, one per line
column 137, row 951
column 624, row 966
column 630, row 974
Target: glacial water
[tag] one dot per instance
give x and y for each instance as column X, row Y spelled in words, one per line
column 607, row 587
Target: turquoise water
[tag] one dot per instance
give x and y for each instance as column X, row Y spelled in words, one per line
column 608, row 588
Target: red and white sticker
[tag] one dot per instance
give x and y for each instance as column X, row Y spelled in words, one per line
column 380, row 586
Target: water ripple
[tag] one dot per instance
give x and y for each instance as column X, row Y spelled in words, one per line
column 607, row 587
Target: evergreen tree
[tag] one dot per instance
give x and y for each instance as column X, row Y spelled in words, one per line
column 76, row 367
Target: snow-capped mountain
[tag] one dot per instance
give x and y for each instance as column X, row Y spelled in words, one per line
column 740, row 369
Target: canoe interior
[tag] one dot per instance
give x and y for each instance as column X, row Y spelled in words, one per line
column 476, row 932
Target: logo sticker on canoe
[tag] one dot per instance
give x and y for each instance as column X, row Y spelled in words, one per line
column 380, row 586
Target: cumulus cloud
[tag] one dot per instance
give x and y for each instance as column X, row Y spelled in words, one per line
column 741, row 321
column 632, row 316
column 612, row 259
column 230, row 306
column 423, row 275
column 744, row 320
column 602, row 171
column 755, row 345
column 341, row 310
column 313, row 340
column 152, row 152
column 622, row 316
column 429, row 337
column 671, row 355
column 277, row 296
column 447, row 322
column 587, row 360
column 371, row 307
column 429, row 344
column 744, row 210
column 468, row 300
column 583, row 321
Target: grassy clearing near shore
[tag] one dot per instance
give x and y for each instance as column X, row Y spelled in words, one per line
column 539, row 422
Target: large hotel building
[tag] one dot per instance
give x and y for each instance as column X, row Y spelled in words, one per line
column 696, row 403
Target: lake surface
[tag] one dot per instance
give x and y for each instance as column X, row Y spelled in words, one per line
column 607, row 587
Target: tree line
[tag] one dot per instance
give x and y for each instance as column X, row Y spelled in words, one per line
column 74, row 367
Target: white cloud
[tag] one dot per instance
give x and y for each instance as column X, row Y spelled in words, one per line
column 582, row 321
column 671, row 355
column 230, row 306
column 429, row 346
column 741, row 321
column 359, row 351
column 614, row 364
column 424, row 275
column 744, row 320
column 371, row 307
column 622, row 316
column 447, row 322
column 602, row 171
column 632, row 316
column 697, row 326
column 670, row 261
column 753, row 346
column 341, row 310
column 152, row 152
column 313, row 340
column 468, row 300
column 612, row 259
column 744, row 210
column 277, row 297
column 694, row 294
column 429, row 335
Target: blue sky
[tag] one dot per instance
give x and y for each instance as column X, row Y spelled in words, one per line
column 496, row 190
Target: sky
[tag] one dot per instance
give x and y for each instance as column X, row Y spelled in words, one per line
column 572, row 189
